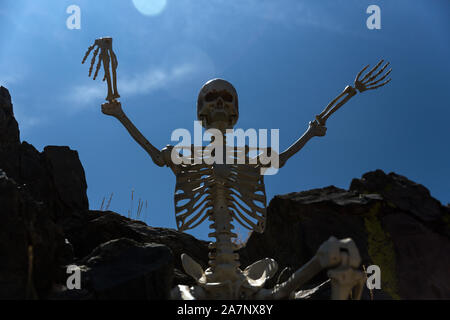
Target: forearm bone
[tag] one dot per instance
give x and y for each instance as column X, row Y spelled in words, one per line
column 154, row 153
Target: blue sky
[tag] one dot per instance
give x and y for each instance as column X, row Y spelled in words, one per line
column 287, row 60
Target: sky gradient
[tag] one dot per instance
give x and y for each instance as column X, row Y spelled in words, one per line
column 287, row 59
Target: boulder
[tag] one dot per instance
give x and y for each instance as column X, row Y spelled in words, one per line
column 405, row 194
column 32, row 246
column 88, row 229
column 9, row 128
column 54, row 176
column 127, row 270
column 406, row 238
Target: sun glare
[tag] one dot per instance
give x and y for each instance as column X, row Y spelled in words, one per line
column 150, row 7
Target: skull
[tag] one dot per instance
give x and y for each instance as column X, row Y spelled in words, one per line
column 217, row 105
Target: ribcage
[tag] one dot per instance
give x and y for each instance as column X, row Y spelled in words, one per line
column 247, row 196
column 197, row 186
column 193, row 195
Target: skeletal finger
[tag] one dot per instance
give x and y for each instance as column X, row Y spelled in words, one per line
column 93, row 60
column 104, row 76
column 371, row 71
column 359, row 74
column 381, row 79
column 98, row 65
column 377, row 74
column 114, row 62
column 380, row 85
column 106, row 61
column 87, row 53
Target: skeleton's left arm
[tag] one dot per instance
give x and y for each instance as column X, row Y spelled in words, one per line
column 313, row 130
column 317, row 127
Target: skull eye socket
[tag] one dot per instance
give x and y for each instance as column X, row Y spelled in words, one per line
column 213, row 95
column 226, row 96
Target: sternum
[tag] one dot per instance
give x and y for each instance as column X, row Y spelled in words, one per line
column 224, row 262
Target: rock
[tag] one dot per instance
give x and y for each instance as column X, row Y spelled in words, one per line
column 180, row 278
column 301, row 222
column 401, row 192
column 422, row 258
column 31, row 245
column 39, row 189
column 67, row 173
column 9, row 129
column 54, row 176
column 127, row 270
column 407, row 238
column 90, row 229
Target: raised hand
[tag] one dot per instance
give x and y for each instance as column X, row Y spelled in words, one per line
column 104, row 45
column 369, row 82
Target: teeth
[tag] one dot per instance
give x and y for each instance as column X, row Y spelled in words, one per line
column 220, row 115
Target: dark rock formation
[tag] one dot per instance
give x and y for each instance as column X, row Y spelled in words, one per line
column 46, row 224
column 43, row 201
column 125, row 269
column 9, row 129
column 39, row 190
column 90, row 229
column 395, row 223
column 405, row 194
column 54, row 176
column 32, row 246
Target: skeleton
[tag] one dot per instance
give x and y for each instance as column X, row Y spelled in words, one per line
column 224, row 192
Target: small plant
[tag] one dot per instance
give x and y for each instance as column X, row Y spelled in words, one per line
column 108, row 203
column 139, row 214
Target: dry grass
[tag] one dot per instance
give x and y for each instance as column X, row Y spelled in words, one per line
column 108, row 203
column 139, row 214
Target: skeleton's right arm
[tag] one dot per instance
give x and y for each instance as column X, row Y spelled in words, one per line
column 114, row 109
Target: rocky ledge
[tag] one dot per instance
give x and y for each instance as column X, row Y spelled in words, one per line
column 46, row 225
